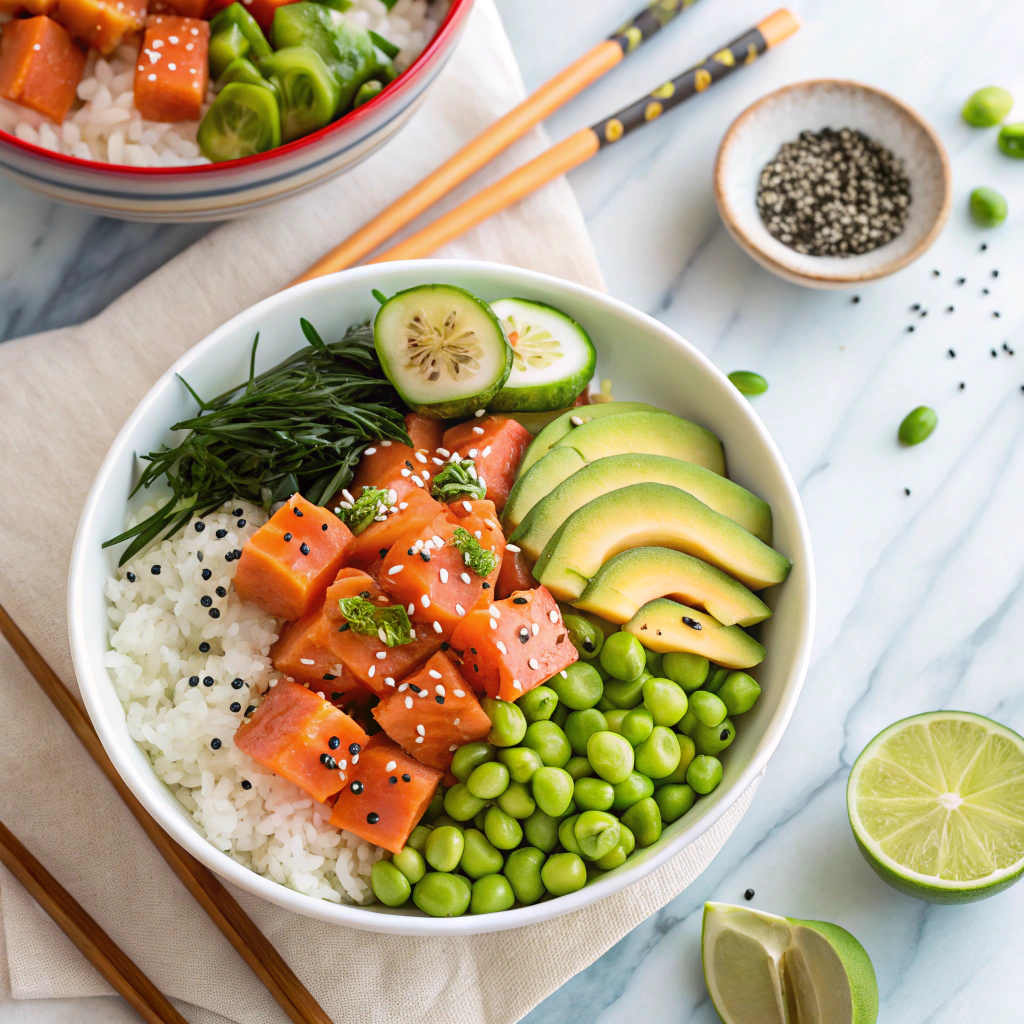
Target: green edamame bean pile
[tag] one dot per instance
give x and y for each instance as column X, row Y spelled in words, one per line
column 574, row 776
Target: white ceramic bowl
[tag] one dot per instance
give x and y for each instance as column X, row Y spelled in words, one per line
column 643, row 358
column 208, row 192
column 758, row 134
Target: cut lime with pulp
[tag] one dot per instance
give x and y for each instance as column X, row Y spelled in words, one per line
column 936, row 804
column 764, row 969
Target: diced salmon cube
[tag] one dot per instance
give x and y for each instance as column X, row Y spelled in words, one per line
column 40, row 66
column 515, row 574
column 102, row 24
column 302, row 737
column 173, row 73
column 433, row 712
column 420, row 508
column 399, row 467
column 496, row 445
column 289, row 562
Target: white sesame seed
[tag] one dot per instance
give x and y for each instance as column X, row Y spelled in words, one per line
column 466, row 505
column 412, row 634
column 403, row 505
column 513, row 548
column 437, row 462
column 564, row 674
column 479, row 413
column 151, row 78
column 486, row 452
column 501, row 646
column 411, row 608
column 408, row 702
column 381, row 655
column 172, row 67
column 434, row 674
column 389, row 681
column 438, row 542
column 417, row 481
column 355, row 759
column 307, row 661
column 454, row 746
column 491, row 525
column 383, row 636
column 370, row 451
column 392, row 495
column 347, row 494
column 494, row 623
column 534, row 664
column 576, row 421
column 472, row 451
column 443, row 451
column 390, row 766
column 553, row 615
column 425, row 473
column 439, row 690
column 372, row 672
column 478, row 430
column 472, row 473
column 478, row 534
column 437, row 627
column 403, row 687
column 419, row 739
column 420, row 457
column 343, row 763
column 494, row 610
column 444, row 575
column 459, row 693
column 190, row 47
column 425, row 601
column 518, row 685
column 465, row 578
column 421, row 730
column 460, row 610
column 395, row 570
column 406, row 472
column 458, row 720
column 535, row 628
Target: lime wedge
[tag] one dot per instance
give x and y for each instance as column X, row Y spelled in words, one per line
column 763, row 969
column 936, row 804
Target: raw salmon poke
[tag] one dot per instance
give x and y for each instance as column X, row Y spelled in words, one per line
column 418, row 617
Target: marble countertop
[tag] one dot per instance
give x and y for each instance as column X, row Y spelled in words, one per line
column 921, row 595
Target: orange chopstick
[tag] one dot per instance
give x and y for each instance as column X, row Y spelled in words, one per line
column 499, row 136
column 581, row 146
column 104, row 954
column 237, row 927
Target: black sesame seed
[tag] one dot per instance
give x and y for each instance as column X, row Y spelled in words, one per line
column 237, row 684
column 365, row 594
column 356, row 787
column 221, row 592
column 995, row 273
column 220, row 534
column 193, row 680
column 199, row 556
column 204, row 647
column 476, row 668
column 304, row 548
column 414, row 688
column 329, row 677
column 323, row 526
column 445, row 646
column 855, row 299
column 924, row 312
column 246, row 784
column 206, row 574
column 692, row 623
column 237, row 511
column 588, row 645
column 372, row 818
column 237, row 553
column 206, row 600
column 229, row 557
column 207, row 680
column 749, row 894
column 949, row 309
column 952, row 354
column 520, row 600
column 984, row 291
column 439, row 699
column 383, row 552
column 472, row 650
column 524, row 635
column 249, row 710
column 343, row 627
column 240, row 523
column 994, row 353
column 407, row 778
column 984, row 246
column 354, row 748
column 910, row 329
column 724, row 734
column 906, row 491
column 393, row 781
column 287, row 536
column 297, row 511
column 200, row 526
column 215, row 743
column 995, row 313
column 155, row 570
column 935, row 273
column 487, row 586
column 131, row 577
column 331, row 763
column 408, row 552
column 214, row 613
column 915, row 307
column 961, row 280
column 235, row 706
column 962, row 385
column 334, row 743
column 324, row 758
column 425, row 556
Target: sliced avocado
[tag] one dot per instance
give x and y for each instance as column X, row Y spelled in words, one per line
column 560, row 426
column 653, row 433
column 538, row 482
column 635, row 577
column 661, row 626
column 615, row 471
column 657, row 515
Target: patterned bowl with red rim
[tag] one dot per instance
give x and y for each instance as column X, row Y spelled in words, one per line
column 221, row 191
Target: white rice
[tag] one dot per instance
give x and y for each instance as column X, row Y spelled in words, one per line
column 158, row 622
column 105, row 125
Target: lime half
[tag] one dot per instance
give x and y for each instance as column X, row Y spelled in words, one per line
column 763, row 969
column 936, row 804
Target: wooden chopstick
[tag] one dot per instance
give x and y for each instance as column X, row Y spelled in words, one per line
column 543, row 102
column 238, row 928
column 128, row 981
column 584, row 144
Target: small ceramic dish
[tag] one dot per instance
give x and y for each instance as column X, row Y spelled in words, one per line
column 758, row 134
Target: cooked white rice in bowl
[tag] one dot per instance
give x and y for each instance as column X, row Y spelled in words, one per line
column 178, row 700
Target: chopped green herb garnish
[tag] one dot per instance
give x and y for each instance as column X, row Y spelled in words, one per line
column 457, row 480
column 478, row 558
column 373, row 502
column 390, row 624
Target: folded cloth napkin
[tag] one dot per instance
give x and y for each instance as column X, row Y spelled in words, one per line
column 63, row 395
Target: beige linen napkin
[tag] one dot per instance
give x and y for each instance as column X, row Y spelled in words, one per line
column 63, row 395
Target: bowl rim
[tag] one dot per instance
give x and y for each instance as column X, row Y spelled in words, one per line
column 91, row 675
column 754, row 249
column 457, row 11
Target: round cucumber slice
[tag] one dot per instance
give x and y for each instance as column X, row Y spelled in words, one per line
column 553, row 357
column 443, row 350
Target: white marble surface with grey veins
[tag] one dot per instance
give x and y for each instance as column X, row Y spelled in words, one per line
column 921, row 596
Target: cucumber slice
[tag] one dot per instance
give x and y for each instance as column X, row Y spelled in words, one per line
column 443, row 350
column 553, row 357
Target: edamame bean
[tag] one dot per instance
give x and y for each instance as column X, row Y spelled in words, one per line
column 436, row 805
column 440, row 894
column 739, row 693
column 552, row 789
column 470, row 756
column 918, row 424
column 488, row 781
column 502, row 830
column 615, row 718
column 593, row 794
column 583, row 635
column 580, row 768
column 637, row 725
column 479, row 818
column 674, row 801
column 581, row 725
column 508, row 725
column 560, row 714
column 988, row 207
column 631, row 790
column 748, row 383
column 625, row 694
column 1011, row 140
column 655, row 662
column 716, row 677
column 389, row 885
column 522, row 869
column 611, row 756
column 516, row 801
column 460, row 804
column 686, row 670
column 550, row 742
column 704, row 774
column 479, row 857
column 708, row 708
column 418, row 837
column 714, row 739
column 597, row 833
column 444, row 848
column 665, row 700
column 410, row 862
column 538, row 704
column 521, row 762
column 625, row 847
column 564, row 873
column 987, row 107
column 622, row 656
column 643, row 819
column 490, row 894
column 541, row 830
column 566, row 836
column 579, row 686
column 687, row 752
column 659, row 754
column 687, row 723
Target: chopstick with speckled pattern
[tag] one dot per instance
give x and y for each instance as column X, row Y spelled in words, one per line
column 238, row 928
